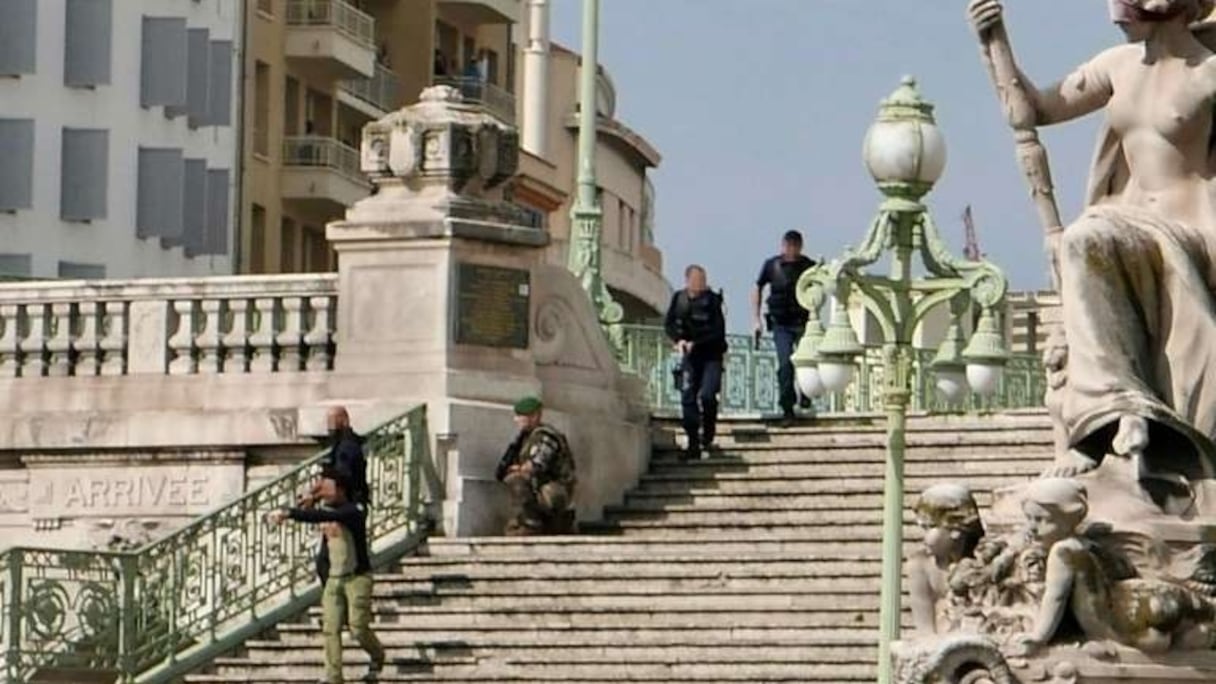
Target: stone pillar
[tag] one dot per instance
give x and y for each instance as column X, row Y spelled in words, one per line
column 444, row 298
column 536, row 80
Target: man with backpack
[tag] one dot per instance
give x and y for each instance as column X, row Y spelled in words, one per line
column 786, row 318
column 696, row 325
column 538, row 470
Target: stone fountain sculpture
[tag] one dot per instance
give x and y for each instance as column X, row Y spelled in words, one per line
column 1099, row 570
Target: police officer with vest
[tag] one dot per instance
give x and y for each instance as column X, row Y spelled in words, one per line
column 697, row 327
column 786, row 318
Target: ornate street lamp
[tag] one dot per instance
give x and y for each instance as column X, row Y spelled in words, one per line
column 906, row 155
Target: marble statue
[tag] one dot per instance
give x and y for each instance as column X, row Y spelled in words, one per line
column 1100, row 570
column 1135, row 270
column 952, row 529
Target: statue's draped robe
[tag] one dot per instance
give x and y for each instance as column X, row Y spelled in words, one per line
column 1140, row 320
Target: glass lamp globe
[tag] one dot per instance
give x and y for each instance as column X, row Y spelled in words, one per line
column 904, row 150
column 835, row 375
column 808, row 381
column 951, row 383
column 984, row 377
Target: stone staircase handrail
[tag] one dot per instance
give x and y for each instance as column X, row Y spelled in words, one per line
column 151, row 614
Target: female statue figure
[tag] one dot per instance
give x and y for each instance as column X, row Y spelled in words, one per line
column 1137, row 270
column 951, row 521
column 1087, row 576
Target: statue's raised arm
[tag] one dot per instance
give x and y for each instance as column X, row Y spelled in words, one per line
column 1136, row 271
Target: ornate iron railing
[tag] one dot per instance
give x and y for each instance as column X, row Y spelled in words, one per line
column 749, row 379
column 150, row 615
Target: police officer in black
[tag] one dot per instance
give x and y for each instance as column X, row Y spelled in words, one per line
column 786, row 318
column 696, row 325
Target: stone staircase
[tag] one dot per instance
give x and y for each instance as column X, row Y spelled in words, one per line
column 759, row 564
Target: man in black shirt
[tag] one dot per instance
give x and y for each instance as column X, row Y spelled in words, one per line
column 786, row 317
column 344, row 563
column 697, row 327
column 346, row 454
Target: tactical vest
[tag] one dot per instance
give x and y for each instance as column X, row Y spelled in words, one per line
column 561, row 466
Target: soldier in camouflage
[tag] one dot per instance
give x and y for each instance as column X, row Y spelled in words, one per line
column 538, row 470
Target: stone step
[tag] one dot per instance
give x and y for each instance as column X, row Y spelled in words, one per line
column 744, row 493
column 876, row 422
column 276, row 653
column 495, row 568
column 970, row 456
column 814, row 474
column 424, row 636
column 832, row 509
column 719, row 547
column 406, row 590
column 307, row 667
column 858, row 601
column 943, row 441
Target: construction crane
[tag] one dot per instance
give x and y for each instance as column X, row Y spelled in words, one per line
column 971, row 246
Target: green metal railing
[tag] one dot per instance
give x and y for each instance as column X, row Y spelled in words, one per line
column 153, row 614
column 749, row 380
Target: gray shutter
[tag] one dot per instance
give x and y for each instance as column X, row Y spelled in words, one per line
column 16, row 163
column 219, row 94
column 194, row 220
column 87, row 40
column 18, row 37
column 84, row 178
column 163, row 62
column 15, row 265
column 198, row 63
column 161, row 186
column 73, row 270
column 218, row 212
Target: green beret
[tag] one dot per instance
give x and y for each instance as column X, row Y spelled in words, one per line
column 527, row 406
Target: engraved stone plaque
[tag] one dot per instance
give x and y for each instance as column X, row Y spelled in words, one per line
column 492, row 306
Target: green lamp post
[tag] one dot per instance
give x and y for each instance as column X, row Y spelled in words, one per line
column 586, row 215
column 905, row 153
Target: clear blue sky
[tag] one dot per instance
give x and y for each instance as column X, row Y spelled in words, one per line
column 759, row 108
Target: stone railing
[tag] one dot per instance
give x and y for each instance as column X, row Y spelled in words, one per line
column 749, row 380
column 246, row 324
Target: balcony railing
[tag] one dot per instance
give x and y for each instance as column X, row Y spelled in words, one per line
column 749, row 382
column 322, row 152
column 496, row 100
column 347, row 19
column 380, row 90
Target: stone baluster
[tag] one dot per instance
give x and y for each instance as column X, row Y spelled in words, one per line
column 113, row 343
column 61, row 337
column 181, row 343
column 210, row 339
column 291, row 338
column 320, row 333
column 87, row 345
column 236, row 341
column 10, row 335
column 33, row 344
column 261, row 342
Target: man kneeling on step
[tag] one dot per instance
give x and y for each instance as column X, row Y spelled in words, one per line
column 538, row 470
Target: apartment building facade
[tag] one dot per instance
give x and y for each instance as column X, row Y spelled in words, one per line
column 118, row 143
column 316, row 72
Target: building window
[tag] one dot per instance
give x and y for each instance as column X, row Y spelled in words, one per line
column 219, row 91
column 218, row 212
column 288, row 258
column 194, row 207
column 163, row 62
column 73, row 270
column 261, row 109
column 87, row 31
column 16, row 164
column 318, row 257
column 18, row 37
column 161, row 194
column 15, row 265
column 291, row 107
column 84, row 174
column 257, row 240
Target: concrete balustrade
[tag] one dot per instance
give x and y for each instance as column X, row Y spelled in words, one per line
column 253, row 324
